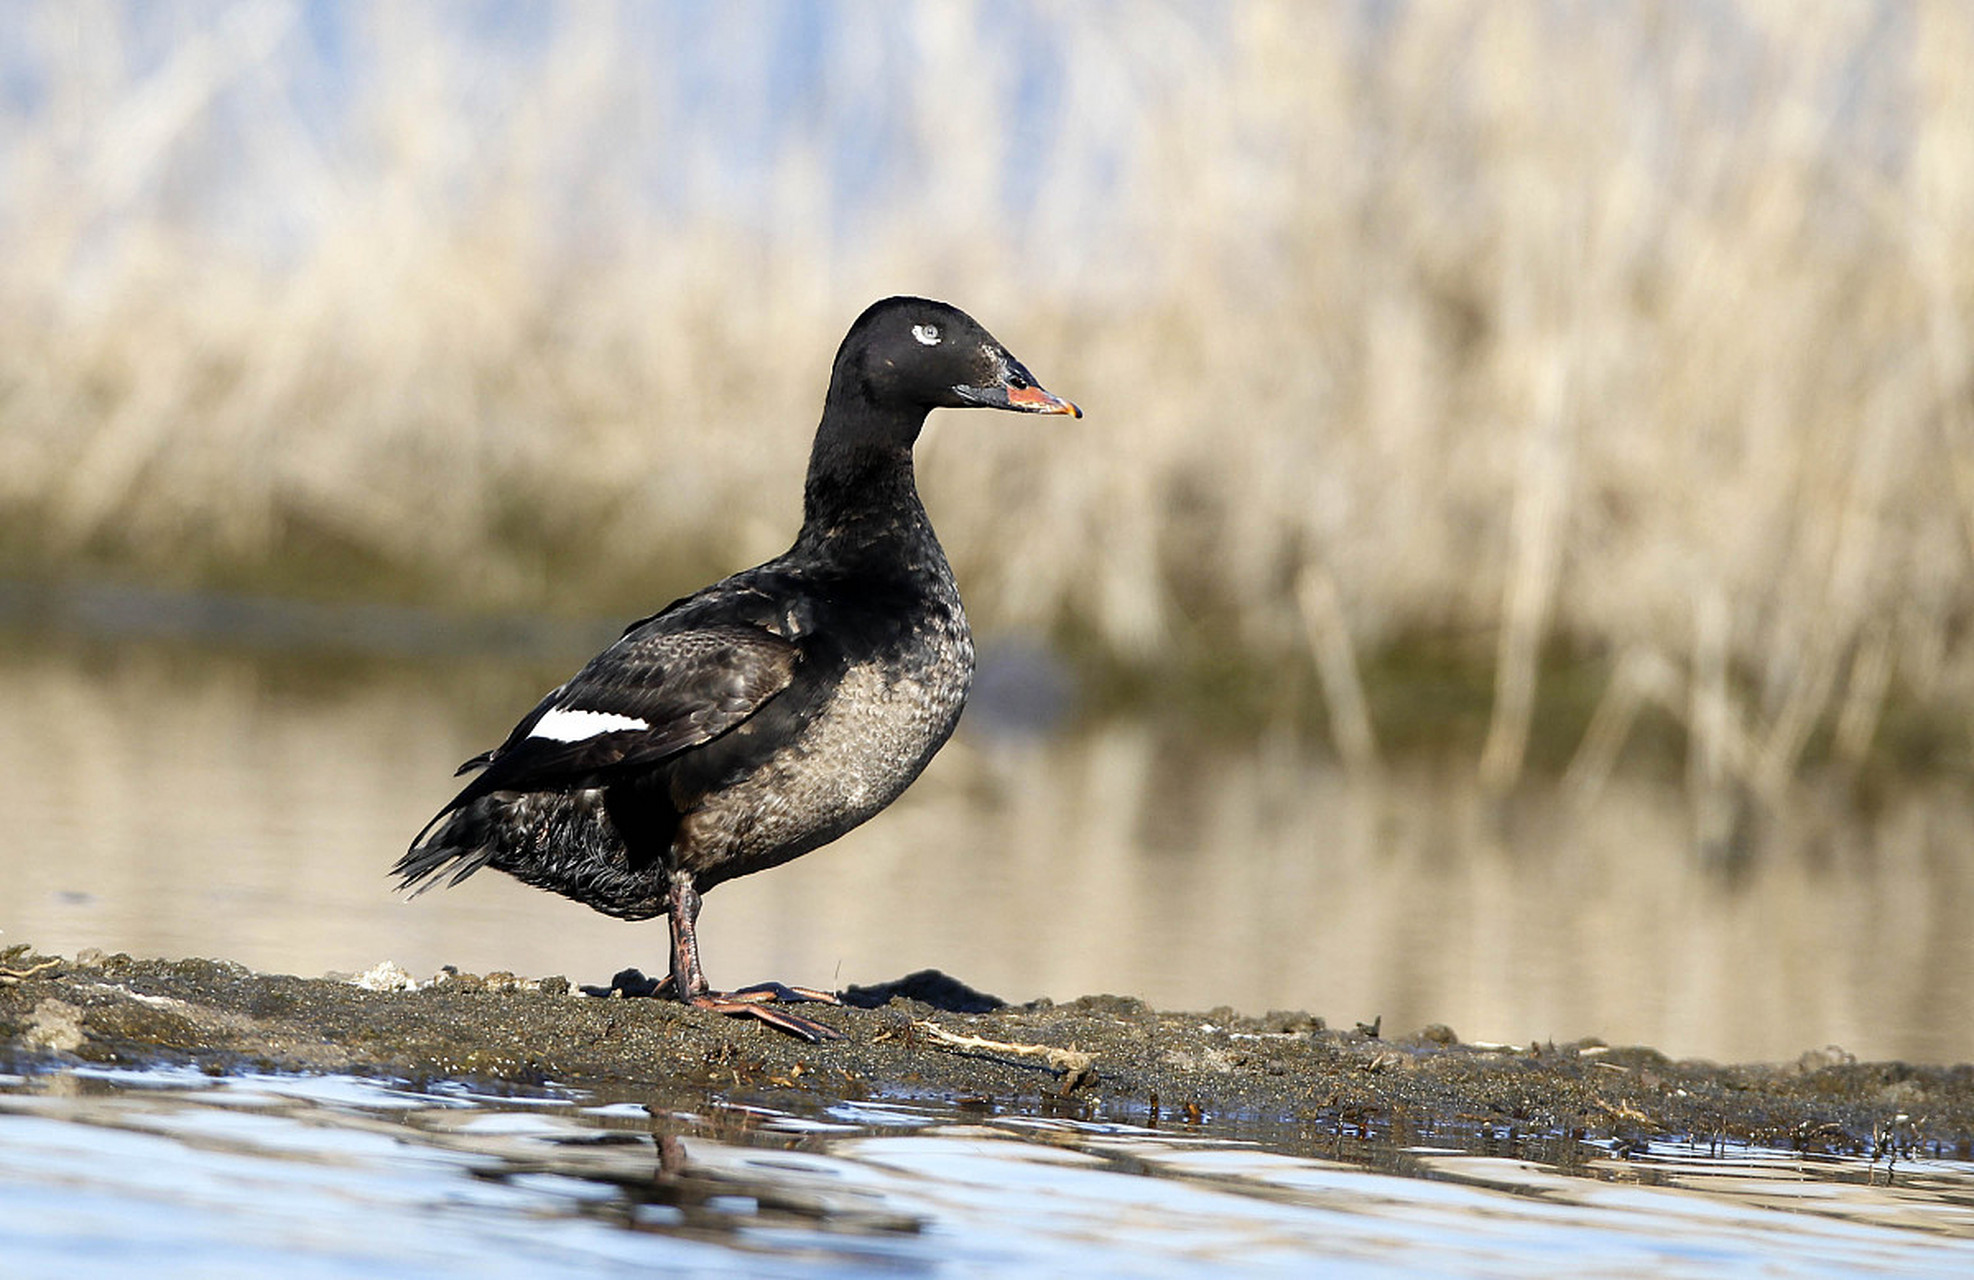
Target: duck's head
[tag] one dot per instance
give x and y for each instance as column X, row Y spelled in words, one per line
column 913, row 355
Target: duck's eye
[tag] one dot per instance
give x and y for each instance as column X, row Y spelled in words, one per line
column 926, row 333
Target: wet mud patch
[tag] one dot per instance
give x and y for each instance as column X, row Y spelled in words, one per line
column 1097, row 1058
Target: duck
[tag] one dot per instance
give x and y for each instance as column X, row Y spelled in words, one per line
column 764, row 716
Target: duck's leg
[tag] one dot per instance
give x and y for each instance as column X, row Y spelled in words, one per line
column 689, row 980
column 760, row 992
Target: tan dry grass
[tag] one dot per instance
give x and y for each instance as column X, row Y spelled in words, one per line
column 1645, row 327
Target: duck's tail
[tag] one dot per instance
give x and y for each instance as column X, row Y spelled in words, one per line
column 460, row 841
column 562, row 841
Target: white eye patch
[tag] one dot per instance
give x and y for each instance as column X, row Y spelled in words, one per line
column 926, row 333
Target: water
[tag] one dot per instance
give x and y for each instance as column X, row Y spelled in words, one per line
column 185, row 799
column 167, row 1172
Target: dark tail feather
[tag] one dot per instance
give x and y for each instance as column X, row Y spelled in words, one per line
column 457, row 840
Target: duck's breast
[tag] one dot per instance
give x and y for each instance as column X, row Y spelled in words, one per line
column 870, row 736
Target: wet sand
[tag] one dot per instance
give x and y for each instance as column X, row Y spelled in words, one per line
column 1100, row 1057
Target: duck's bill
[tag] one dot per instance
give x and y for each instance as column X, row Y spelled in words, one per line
column 1023, row 399
column 1036, row 400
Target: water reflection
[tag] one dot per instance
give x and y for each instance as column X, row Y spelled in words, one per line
column 173, row 1173
column 176, row 801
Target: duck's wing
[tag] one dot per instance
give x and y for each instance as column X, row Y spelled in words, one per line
column 676, row 680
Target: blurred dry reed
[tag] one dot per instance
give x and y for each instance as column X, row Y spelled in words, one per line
column 1641, row 329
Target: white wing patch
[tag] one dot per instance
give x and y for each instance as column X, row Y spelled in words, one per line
column 926, row 333
column 565, row 725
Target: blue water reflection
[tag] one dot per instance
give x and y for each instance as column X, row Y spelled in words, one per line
column 173, row 1173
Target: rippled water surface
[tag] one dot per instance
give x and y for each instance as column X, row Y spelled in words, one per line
column 171, row 1173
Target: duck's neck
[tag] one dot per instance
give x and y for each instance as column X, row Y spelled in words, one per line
column 860, row 491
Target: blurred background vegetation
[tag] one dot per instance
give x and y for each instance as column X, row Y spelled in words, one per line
column 1533, row 377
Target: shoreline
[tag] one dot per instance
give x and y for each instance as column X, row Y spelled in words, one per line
column 1101, row 1058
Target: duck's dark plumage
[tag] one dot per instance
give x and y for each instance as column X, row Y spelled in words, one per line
column 767, row 714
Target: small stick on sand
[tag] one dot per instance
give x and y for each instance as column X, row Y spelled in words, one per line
column 13, row 977
column 1077, row 1068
